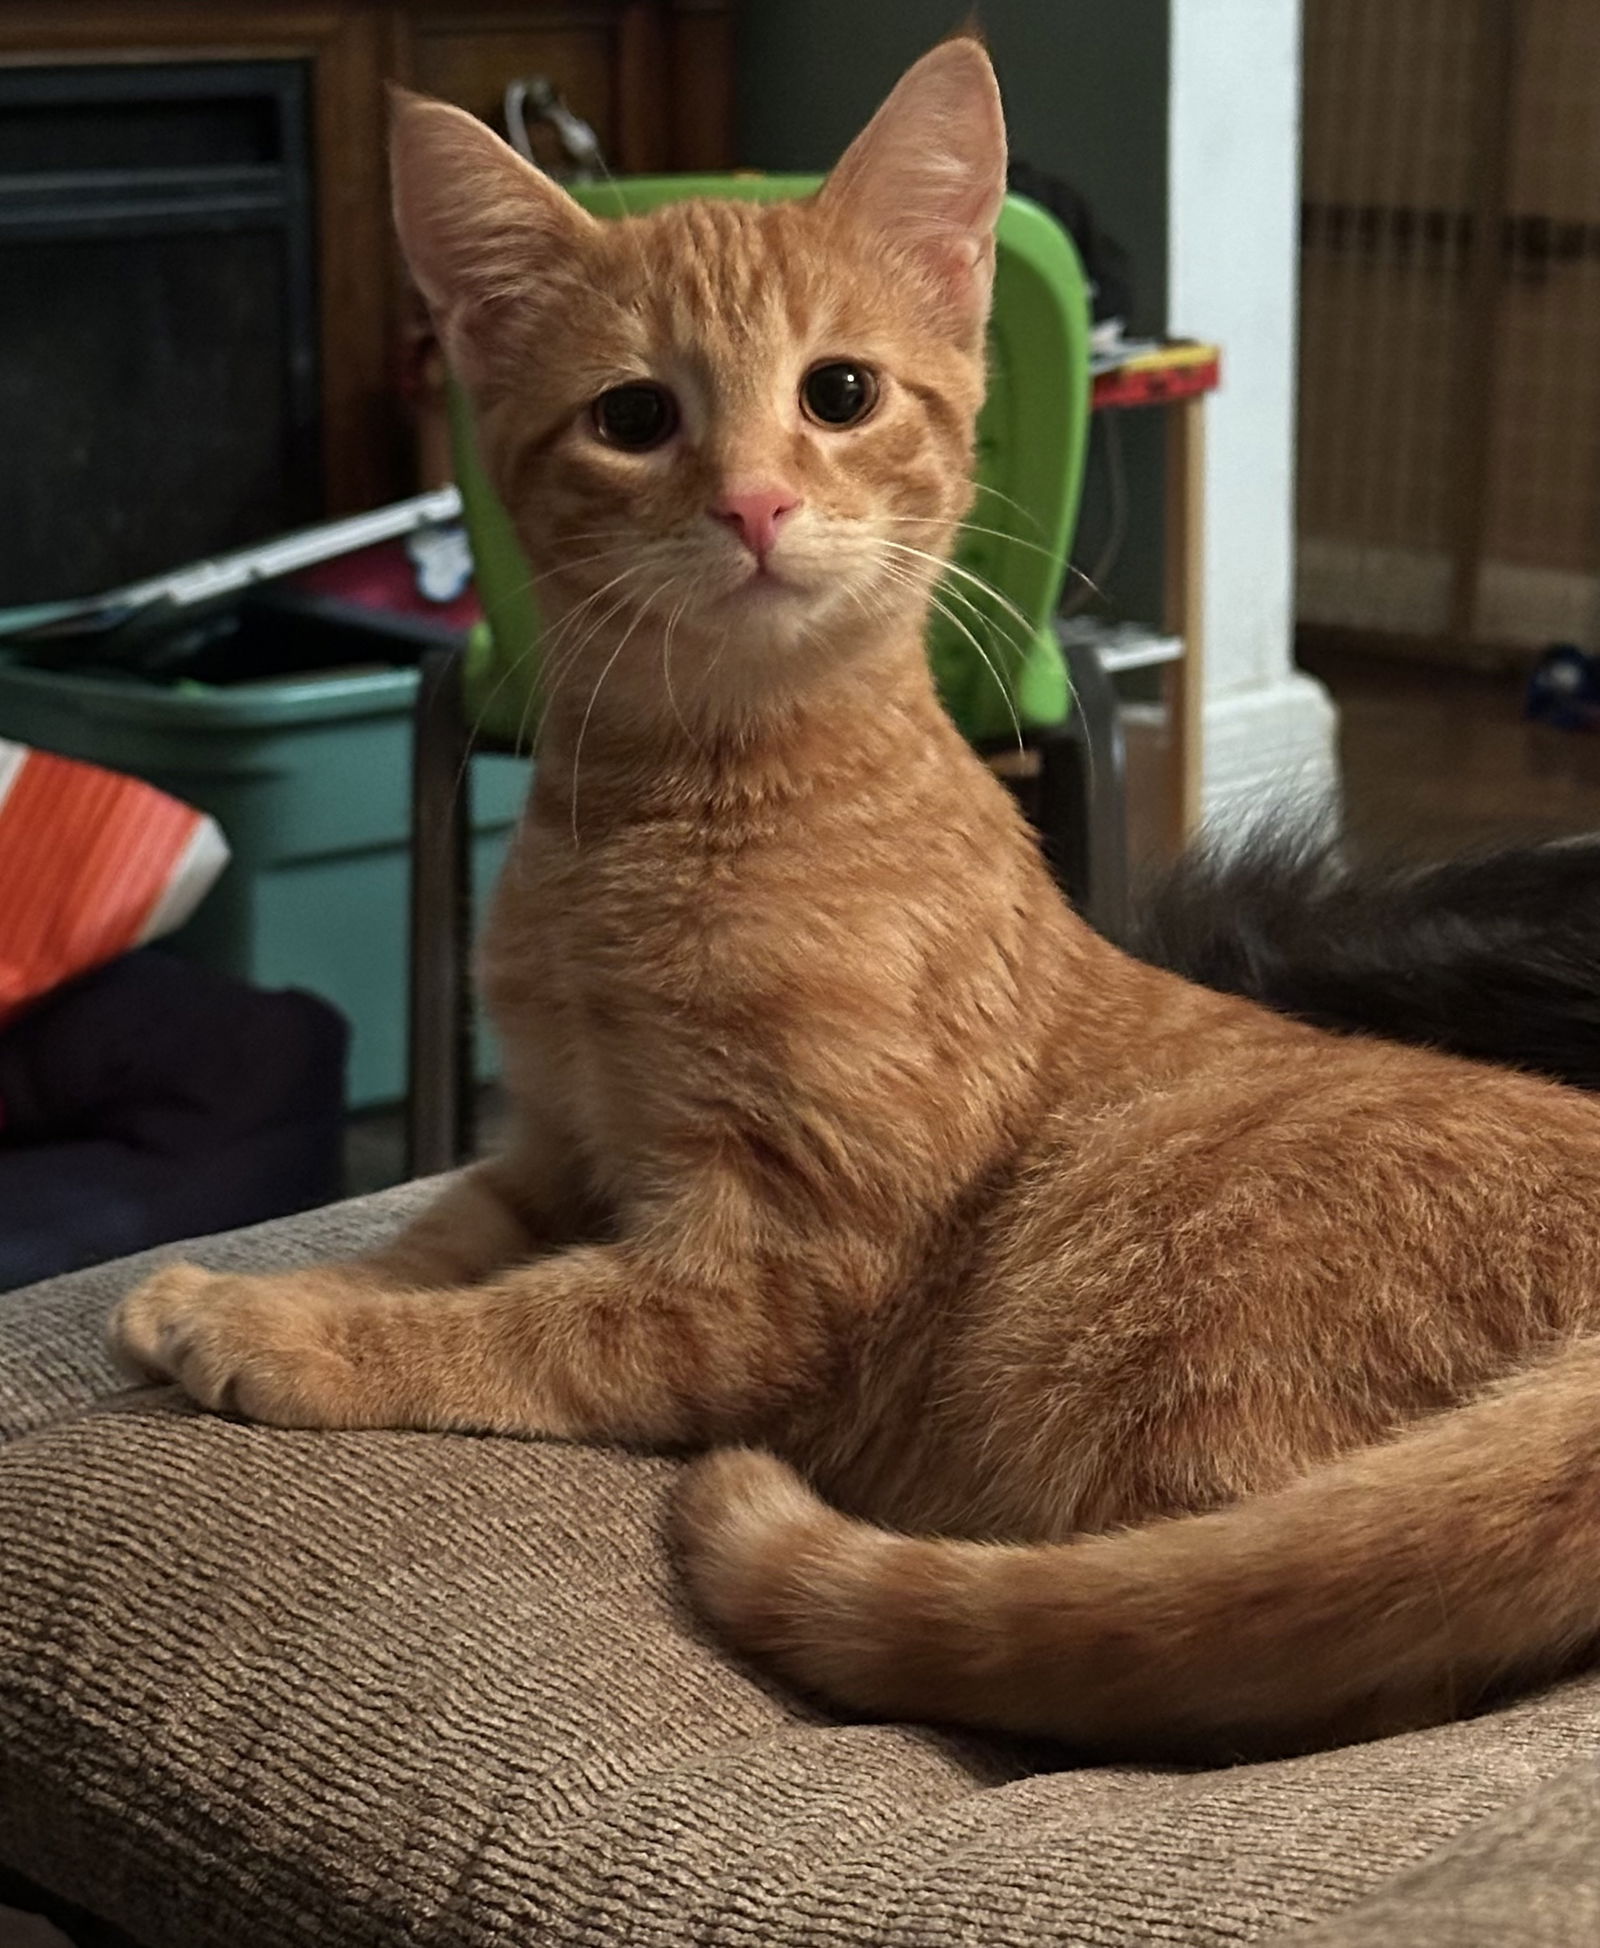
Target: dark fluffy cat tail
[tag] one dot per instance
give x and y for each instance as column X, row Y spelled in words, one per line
column 1495, row 955
column 1396, row 1586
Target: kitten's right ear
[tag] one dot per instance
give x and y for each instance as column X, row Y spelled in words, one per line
column 474, row 219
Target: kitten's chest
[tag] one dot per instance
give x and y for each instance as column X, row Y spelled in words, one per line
column 623, row 979
column 653, row 991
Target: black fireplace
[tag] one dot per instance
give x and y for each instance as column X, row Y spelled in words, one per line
column 158, row 350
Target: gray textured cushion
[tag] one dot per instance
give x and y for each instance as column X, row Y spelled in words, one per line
column 270, row 1688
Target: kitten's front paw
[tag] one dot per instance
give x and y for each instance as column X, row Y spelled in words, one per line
column 266, row 1348
column 140, row 1323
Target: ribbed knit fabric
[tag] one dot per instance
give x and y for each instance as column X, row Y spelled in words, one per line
column 262, row 1688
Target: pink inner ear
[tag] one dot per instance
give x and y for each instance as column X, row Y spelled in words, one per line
column 961, row 268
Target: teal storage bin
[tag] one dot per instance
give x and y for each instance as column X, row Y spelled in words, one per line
column 310, row 779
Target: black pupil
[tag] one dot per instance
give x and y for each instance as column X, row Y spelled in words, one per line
column 635, row 416
column 837, row 394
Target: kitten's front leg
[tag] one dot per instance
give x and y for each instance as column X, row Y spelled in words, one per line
column 603, row 1340
column 497, row 1214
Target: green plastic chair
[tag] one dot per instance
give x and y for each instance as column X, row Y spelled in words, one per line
column 1031, row 438
column 1030, row 452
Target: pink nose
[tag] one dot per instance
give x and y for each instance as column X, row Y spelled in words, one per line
column 755, row 514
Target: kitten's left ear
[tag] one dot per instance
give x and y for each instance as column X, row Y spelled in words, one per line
column 929, row 172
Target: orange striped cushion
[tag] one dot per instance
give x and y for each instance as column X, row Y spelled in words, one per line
column 91, row 864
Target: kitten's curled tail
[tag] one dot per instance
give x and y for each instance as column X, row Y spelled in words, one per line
column 1492, row 955
column 1397, row 1585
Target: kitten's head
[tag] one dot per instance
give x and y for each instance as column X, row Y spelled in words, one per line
column 750, row 421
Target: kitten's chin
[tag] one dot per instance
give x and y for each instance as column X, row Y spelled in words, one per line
column 814, row 617
column 765, row 591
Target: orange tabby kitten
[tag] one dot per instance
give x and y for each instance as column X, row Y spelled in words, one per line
column 1188, row 1379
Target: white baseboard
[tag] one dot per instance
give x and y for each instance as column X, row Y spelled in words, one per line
column 1271, row 747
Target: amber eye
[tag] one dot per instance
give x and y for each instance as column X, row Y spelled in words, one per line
column 635, row 417
column 839, row 394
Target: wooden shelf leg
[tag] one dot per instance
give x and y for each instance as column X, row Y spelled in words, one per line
column 1185, row 612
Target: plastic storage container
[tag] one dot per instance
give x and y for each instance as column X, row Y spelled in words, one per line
column 309, row 776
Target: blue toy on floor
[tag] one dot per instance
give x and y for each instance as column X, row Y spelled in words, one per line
column 1564, row 689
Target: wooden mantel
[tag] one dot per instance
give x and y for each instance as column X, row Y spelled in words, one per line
column 653, row 77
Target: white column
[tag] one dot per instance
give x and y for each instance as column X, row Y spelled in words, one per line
column 1232, row 270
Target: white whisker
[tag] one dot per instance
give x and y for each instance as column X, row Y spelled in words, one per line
column 963, row 574
column 513, row 665
column 1027, row 513
column 936, row 601
column 572, row 655
column 666, row 667
column 967, row 527
column 562, row 648
column 594, row 698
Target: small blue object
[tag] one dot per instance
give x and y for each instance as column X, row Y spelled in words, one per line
column 1564, row 689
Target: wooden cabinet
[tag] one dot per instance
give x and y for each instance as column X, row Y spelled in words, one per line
column 653, row 77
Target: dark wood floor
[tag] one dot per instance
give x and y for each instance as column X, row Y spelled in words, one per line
column 1436, row 759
